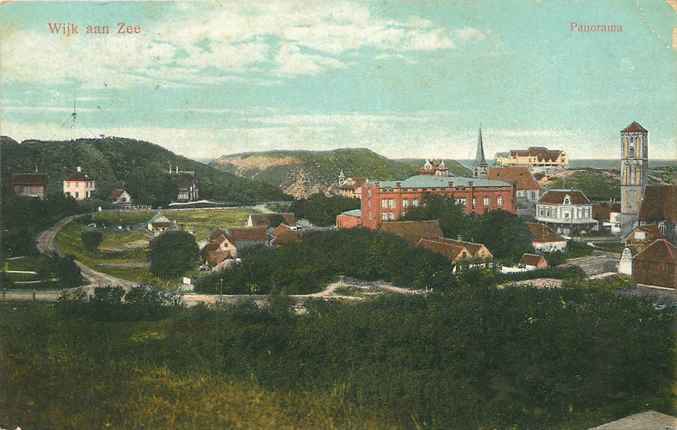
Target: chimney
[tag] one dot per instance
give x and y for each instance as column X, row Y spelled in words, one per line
column 398, row 184
column 451, row 184
column 79, row 169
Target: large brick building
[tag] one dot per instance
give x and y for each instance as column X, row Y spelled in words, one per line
column 390, row 200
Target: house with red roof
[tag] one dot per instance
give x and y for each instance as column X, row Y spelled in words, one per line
column 656, row 265
column 533, row 262
column 120, row 198
column 30, row 185
column 659, row 207
column 567, row 211
column 545, row 239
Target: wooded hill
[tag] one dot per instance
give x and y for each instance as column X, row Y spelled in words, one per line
column 302, row 173
column 140, row 167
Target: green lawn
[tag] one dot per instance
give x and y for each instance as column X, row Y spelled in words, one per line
column 120, row 248
column 31, row 263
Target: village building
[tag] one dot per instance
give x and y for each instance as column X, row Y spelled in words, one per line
column 544, row 239
column 389, row 200
column 460, row 253
column 527, row 188
column 159, row 224
column 659, row 207
column 271, row 219
column 120, row 198
column 656, row 265
column 533, row 262
column 29, row 185
column 349, row 219
column 413, row 231
column 641, row 237
column 608, row 217
column 434, row 168
column 79, row 185
column 536, row 158
column 350, row 187
column 566, row 211
column 634, row 172
column 187, row 187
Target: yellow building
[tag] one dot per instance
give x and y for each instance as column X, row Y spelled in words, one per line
column 79, row 186
column 536, row 157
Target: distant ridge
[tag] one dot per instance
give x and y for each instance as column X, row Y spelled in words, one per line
column 301, row 173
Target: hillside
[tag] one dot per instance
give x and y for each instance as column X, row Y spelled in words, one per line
column 302, row 173
column 114, row 162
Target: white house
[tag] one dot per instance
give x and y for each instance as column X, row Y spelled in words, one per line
column 566, row 211
column 544, row 239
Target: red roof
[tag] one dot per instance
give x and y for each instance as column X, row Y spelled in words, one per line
column 29, row 179
column 659, row 251
column 532, row 259
column 520, row 176
column 78, row 177
column 449, row 250
column 602, row 211
column 659, row 204
column 413, row 231
column 543, row 234
column 115, row 194
column 556, row 197
column 472, row 247
column 254, row 234
column 284, row 235
column 634, row 127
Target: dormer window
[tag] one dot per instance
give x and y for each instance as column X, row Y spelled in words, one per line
column 567, row 199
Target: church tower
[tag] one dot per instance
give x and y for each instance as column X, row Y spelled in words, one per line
column 634, row 170
column 480, row 167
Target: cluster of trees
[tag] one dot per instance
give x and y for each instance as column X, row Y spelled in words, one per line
column 47, row 267
column 307, row 266
column 173, row 253
column 24, row 217
column 91, row 239
column 322, row 210
column 470, row 357
column 506, row 235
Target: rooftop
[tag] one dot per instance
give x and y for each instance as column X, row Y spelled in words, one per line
column 634, row 127
column 531, row 259
column 659, row 203
column 413, row 231
column 556, row 197
column 542, row 233
column 428, row 181
column 520, row 176
column 29, row 179
column 354, row 212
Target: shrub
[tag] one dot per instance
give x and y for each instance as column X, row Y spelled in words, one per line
column 91, row 239
column 172, row 254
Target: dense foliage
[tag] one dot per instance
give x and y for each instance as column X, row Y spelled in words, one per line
column 173, row 253
column 24, row 217
column 506, row 235
column 91, row 239
column 321, row 210
column 307, row 266
column 139, row 166
column 473, row 357
column 598, row 185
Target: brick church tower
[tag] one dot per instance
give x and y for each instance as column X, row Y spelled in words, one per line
column 634, row 170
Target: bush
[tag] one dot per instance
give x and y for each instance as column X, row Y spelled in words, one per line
column 173, row 253
column 91, row 239
column 321, row 210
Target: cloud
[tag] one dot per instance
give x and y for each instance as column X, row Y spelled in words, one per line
column 214, row 43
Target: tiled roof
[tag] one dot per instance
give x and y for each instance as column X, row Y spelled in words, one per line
column 659, row 251
column 556, row 197
column 449, row 250
column 252, row 234
column 651, row 230
column 659, row 204
column 284, row 235
column 29, row 179
column 543, row 234
column 472, row 247
column 602, row 211
column 79, row 177
column 634, row 127
column 266, row 219
column 531, row 259
column 428, row 181
column 413, row 231
column 541, row 153
column 355, row 212
column 520, row 176
column 115, row 194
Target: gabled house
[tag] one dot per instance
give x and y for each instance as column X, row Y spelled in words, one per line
column 458, row 251
column 527, row 188
column 413, row 231
column 659, row 207
column 351, row 187
column 220, row 252
column 120, row 198
column 545, row 239
column 187, row 187
column 608, row 217
column 434, row 168
column 656, row 265
column 566, row 211
column 30, row 185
column 641, row 237
column 533, row 262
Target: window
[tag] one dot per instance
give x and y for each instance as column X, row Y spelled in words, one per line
column 485, row 201
column 384, row 216
column 384, row 204
column 414, row 203
column 405, row 203
column 461, row 202
column 499, row 201
column 533, row 195
column 474, row 202
column 77, row 194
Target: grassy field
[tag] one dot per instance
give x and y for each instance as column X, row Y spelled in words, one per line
column 124, row 254
column 31, row 263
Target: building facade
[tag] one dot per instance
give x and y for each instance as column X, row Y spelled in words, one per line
column 536, row 158
column 566, row 211
column 389, row 200
column 434, row 168
column 30, row 185
column 544, row 239
column 349, row 219
column 79, row 185
column 634, row 171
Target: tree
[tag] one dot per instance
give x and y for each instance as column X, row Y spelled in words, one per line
column 322, row 210
column 506, row 235
column 453, row 220
column 172, row 254
column 91, row 239
column 67, row 271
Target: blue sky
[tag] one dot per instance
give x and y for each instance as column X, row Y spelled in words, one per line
column 404, row 78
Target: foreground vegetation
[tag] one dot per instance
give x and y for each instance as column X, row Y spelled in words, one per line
column 474, row 357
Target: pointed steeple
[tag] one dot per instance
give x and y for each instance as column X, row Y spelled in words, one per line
column 480, row 166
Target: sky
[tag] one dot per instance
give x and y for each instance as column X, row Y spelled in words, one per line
column 407, row 79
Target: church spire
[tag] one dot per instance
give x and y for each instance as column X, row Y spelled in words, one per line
column 480, row 166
